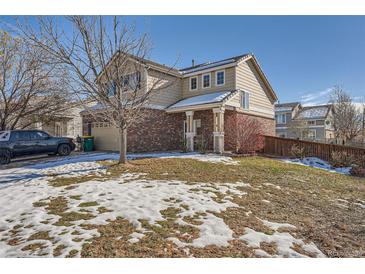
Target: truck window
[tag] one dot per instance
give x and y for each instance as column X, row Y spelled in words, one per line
column 20, row 136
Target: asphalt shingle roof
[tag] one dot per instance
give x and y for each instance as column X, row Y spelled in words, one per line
column 314, row 112
column 212, row 64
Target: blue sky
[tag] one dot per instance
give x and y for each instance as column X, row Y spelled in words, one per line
column 302, row 56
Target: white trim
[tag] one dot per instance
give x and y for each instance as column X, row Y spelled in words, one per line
column 210, row 80
column 218, row 110
column 195, row 107
column 210, row 69
column 315, row 126
column 196, row 77
column 281, row 127
column 224, row 78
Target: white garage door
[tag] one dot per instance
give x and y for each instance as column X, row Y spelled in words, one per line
column 105, row 137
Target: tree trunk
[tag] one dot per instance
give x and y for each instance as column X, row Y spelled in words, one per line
column 123, row 146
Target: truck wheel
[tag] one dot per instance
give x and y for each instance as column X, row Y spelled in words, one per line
column 64, row 150
column 4, row 157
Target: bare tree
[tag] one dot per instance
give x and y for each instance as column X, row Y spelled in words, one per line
column 106, row 61
column 346, row 118
column 30, row 89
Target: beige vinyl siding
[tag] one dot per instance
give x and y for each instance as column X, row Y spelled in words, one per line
column 248, row 80
column 168, row 88
column 235, row 101
column 228, row 85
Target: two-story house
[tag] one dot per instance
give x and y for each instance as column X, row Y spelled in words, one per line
column 307, row 123
column 208, row 100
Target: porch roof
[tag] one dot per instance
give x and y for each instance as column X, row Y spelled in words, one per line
column 215, row 98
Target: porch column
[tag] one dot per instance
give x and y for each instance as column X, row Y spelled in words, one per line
column 218, row 130
column 189, row 131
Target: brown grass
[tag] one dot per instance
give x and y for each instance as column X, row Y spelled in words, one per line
column 305, row 199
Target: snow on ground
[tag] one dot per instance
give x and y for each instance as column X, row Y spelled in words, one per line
column 130, row 197
column 284, row 242
column 318, row 163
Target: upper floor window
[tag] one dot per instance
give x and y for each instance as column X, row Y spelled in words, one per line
column 245, row 100
column 132, row 81
column 311, row 123
column 206, row 80
column 111, row 89
column 280, row 118
column 193, row 83
column 219, row 78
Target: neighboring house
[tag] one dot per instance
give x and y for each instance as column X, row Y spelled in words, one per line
column 307, row 123
column 284, row 114
column 67, row 124
column 203, row 101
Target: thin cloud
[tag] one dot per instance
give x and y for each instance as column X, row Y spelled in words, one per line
column 316, row 98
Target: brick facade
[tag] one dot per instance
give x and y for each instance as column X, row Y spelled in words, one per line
column 158, row 131
column 161, row 131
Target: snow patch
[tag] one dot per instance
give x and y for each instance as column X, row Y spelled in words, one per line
column 284, row 241
column 318, row 163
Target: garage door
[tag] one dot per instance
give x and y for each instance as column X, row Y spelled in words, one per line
column 105, row 136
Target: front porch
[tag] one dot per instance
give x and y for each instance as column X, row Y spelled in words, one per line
column 208, row 121
column 205, row 128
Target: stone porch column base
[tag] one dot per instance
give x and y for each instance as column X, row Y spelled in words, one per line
column 218, row 142
column 190, row 141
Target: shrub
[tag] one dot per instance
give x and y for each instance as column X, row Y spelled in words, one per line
column 358, row 171
column 202, row 144
column 183, row 145
column 360, row 161
column 342, row 159
column 297, row 152
column 249, row 136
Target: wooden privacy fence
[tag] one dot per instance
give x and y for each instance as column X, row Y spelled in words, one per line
column 282, row 147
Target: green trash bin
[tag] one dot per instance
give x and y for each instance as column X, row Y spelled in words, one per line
column 88, row 143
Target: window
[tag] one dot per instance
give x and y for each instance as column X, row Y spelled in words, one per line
column 132, row 81
column 38, row 135
column 206, row 80
column 4, row 135
column 245, row 100
column 219, row 78
column 311, row 123
column 20, row 136
column 112, row 89
column 193, row 83
column 310, row 134
column 280, row 118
